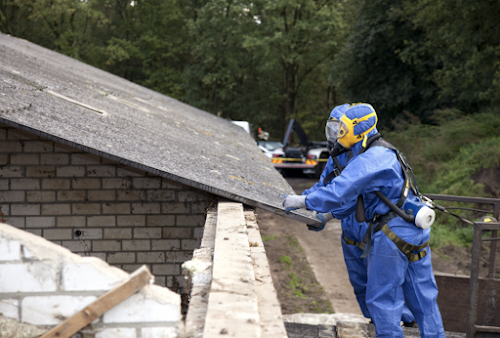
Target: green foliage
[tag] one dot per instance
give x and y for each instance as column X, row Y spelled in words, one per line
column 287, row 261
column 268, row 238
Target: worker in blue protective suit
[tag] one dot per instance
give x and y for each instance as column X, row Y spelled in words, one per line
column 399, row 268
column 353, row 233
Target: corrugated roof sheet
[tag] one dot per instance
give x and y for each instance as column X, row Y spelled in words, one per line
column 65, row 100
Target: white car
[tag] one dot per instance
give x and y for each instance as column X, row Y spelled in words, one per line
column 271, row 148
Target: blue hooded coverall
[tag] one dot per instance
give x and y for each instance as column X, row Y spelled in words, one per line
column 392, row 281
column 356, row 266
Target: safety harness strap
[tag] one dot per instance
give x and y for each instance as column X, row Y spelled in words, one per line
column 409, row 250
column 349, row 241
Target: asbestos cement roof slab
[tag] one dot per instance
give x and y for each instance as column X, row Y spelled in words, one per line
column 67, row 101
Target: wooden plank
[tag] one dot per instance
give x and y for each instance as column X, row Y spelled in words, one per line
column 138, row 279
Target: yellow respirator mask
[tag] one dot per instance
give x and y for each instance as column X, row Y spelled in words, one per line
column 346, row 130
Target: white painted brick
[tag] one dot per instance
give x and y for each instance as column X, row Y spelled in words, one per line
column 25, row 209
column 145, row 208
column 4, row 159
column 198, row 232
column 190, row 220
column 147, row 232
column 86, row 183
column 71, row 171
column 25, row 159
column 4, row 184
column 190, row 244
column 119, row 233
column 3, row 134
column 11, row 171
column 31, row 277
column 101, row 195
column 175, row 208
column 121, row 257
column 158, row 332
column 150, row 257
column 85, row 159
column 77, row 246
column 17, row 222
column 63, row 148
column 137, row 245
column 161, row 195
column 98, row 276
column 132, row 267
column 40, row 222
column 190, row 196
column 41, row 196
column 101, row 171
column 55, row 234
column 41, row 171
column 168, row 184
column 100, row 255
column 130, row 195
column 71, row 221
column 86, row 209
column 160, row 220
column 5, row 209
column 52, row 310
column 16, row 134
column 90, row 233
column 165, row 244
column 166, row 269
column 178, row 256
column 116, row 183
column 71, row 195
column 54, row 159
column 11, row 147
column 116, row 208
column 12, row 196
column 101, row 221
column 177, row 232
column 129, row 171
column 117, row 333
column 56, row 209
column 10, row 308
column 151, row 304
column 138, row 220
column 38, row 147
column 55, row 184
column 106, row 246
column 10, row 250
column 146, row 183
column 37, row 232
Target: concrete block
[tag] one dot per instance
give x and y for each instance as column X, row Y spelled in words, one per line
column 168, row 184
column 116, row 183
column 71, row 195
column 106, row 246
column 86, row 183
column 116, row 208
column 147, row 232
column 145, row 208
column 87, row 209
column 18, row 222
column 175, row 208
column 4, row 185
column 41, row 171
column 20, row 158
column 151, row 304
column 160, row 220
column 40, row 222
column 41, row 196
column 101, row 221
column 146, row 182
column 177, row 232
column 190, row 244
column 77, row 246
column 156, row 332
column 11, row 171
column 10, row 250
column 10, row 308
column 25, row 209
column 48, row 159
column 12, row 196
column 129, row 171
column 11, row 147
column 165, row 244
column 130, row 195
column 178, row 256
column 38, row 147
column 56, row 209
column 101, row 171
column 166, row 269
column 161, row 195
column 117, row 333
column 71, row 221
column 118, row 233
column 85, row 159
column 52, row 310
column 29, row 277
column 4, row 159
column 121, row 257
column 71, row 171
column 151, row 257
column 57, row 234
column 101, row 195
column 190, row 220
column 87, row 233
column 190, row 196
column 55, row 184
column 97, row 276
column 136, row 220
column 136, row 245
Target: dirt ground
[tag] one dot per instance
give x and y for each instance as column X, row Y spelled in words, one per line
column 308, row 268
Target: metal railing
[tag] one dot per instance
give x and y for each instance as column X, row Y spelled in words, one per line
column 474, row 330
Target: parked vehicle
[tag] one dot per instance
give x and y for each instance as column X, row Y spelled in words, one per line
column 310, row 158
column 271, row 148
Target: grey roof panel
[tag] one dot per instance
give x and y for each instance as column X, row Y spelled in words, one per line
column 65, row 100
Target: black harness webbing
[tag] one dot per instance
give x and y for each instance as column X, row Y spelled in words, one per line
column 412, row 252
column 338, row 168
column 361, row 245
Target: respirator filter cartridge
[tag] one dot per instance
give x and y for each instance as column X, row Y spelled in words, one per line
column 424, row 216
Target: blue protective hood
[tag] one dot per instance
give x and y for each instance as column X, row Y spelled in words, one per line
column 338, row 111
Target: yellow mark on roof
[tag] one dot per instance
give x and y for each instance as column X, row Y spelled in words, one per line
column 241, row 179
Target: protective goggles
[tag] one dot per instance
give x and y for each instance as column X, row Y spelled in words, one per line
column 332, row 128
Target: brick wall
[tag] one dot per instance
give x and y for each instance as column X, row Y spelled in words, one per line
column 97, row 207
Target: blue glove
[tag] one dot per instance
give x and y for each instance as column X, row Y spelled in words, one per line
column 293, row 202
column 323, row 218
